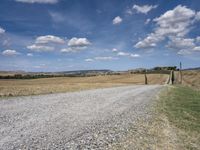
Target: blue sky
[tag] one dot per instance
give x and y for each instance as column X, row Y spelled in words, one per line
column 61, row 35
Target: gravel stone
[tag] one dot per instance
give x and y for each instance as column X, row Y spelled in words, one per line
column 92, row 119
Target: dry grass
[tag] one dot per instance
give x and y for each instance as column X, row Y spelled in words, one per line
column 191, row 78
column 68, row 84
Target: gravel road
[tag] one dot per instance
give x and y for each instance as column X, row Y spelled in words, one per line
column 92, row 119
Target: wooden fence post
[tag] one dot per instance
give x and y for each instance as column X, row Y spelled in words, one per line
column 145, row 77
column 180, row 73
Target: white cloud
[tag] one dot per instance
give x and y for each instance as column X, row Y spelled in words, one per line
column 40, row 48
column 198, row 39
column 89, row 60
column 114, row 50
column 38, row 1
column 78, row 42
column 105, row 58
column 49, row 39
column 128, row 54
column 184, row 52
column 30, row 54
column 197, row 18
column 46, row 43
column 173, row 25
column 123, row 54
column 144, row 9
column 129, row 11
column 57, row 17
column 76, row 45
column 10, row 52
column 2, row 30
column 117, row 20
column 41, row 66
column 181, row 43
column 72, row 49
column 147, row 21
column 134, row 55
column 150, row 41
column 197, row 48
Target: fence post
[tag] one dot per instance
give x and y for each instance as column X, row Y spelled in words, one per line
column 180, row 73
column 145, row 77
column 172, row 77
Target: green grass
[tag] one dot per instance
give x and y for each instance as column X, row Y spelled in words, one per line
column 181, row 105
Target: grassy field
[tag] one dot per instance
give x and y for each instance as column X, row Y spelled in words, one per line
column 191, row 78
column 68, row 84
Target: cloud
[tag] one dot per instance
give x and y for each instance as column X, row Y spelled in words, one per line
column 150, row 41
column 2, row 30
column 30, row 54
column 40, row 48
column 173, row 26
column 49, row 39
column 105, row 58
column 46, row 43
column 129, row 11
column 123, row 54
column 144, row 9
column 78, row 42
column 114, row 50
column 41, row 66
column 198, row 39
column 197, row 48
column 197, row 17
column 181, row 43
column 57, row 17
column 10, row 52
column 147, row 21
column 117, row 20
column 128, row 54
column 76, row 45
column 134, row 55
column 184, row 52
column 38, row 1
column 72, row 49
column 89, row 60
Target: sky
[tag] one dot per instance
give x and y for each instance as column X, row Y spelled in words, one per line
column 63, row 35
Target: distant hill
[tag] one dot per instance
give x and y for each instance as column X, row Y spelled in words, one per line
column 35, row 75
column 197, row 68
column 85, row 71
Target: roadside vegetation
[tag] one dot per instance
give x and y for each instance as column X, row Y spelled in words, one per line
column 181, row 107
column 175, row 123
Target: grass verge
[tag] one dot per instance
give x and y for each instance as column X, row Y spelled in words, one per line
column 174, row 125
column 181, row 107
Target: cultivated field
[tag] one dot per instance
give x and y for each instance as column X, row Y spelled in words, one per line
column 191, row 78
column 18, row 87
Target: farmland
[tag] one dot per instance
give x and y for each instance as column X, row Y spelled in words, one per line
column 16, row 87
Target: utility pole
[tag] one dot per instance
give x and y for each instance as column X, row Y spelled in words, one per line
column 180, row 73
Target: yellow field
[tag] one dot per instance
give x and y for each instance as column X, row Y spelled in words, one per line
column 190, row 78
column 68, row 84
